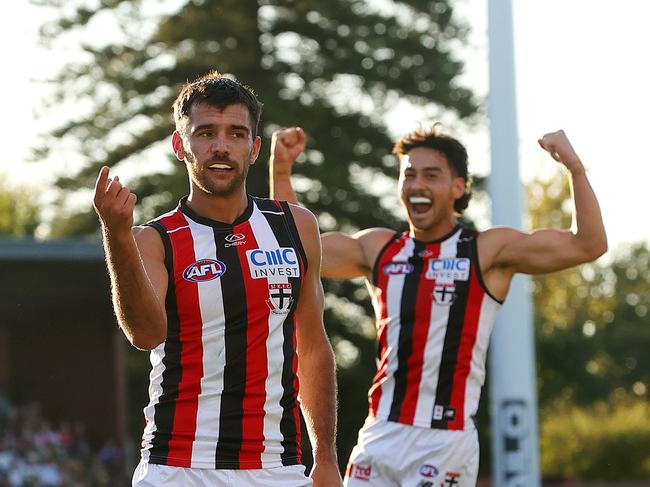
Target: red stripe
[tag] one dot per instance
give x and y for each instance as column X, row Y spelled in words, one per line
column 191, row 328
column 423, row 303
column 348, row 471
column 467, row 341
column 382, row 324
column 257, row 333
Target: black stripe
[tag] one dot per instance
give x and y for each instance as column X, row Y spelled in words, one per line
column 294, row 235
column 375, row 268
column 407, row 323
column 479, row 274
column 234, row 374
column 281, row 230
column 449, row 356
column 165, row 409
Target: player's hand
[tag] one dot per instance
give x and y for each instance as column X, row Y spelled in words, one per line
column 558, row 146
column 286, row 146
column 326, row 474
column 113, row 203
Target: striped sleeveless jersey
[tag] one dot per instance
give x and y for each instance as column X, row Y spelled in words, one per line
column 223, row 386
column 434, row 319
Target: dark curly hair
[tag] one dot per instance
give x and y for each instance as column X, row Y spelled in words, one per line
column 219, row 91
column 451, row 148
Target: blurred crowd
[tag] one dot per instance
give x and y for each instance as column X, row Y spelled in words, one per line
column 36, row 453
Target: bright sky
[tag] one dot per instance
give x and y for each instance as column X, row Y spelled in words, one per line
column 580, row 67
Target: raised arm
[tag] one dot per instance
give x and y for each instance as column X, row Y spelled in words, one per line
column 344, row 256
column 551, row 250
column 135, row 260
column 316, row 367
column 286, row 146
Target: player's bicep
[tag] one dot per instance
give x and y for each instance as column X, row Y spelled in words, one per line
column 152, row 253
column 343, row 256
column 540, row 252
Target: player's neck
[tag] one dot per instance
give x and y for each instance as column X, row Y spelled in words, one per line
column 435, row 232
column 222, row 208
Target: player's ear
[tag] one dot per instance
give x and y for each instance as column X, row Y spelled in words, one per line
column 255, row 150
column 459, row 187
column 177, row 146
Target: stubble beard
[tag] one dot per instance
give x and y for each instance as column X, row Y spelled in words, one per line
column 210, row 187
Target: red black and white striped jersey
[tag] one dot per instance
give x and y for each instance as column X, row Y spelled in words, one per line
column 434, row 319
column 224, row 386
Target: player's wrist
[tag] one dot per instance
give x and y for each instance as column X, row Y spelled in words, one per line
column 277, row 172
column 117, row 233
column 578, row 170
column 324, row 455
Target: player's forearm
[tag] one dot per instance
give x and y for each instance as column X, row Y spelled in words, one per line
column 280, row 187
column 318, row 397
column 137, row 308
column 590, row 230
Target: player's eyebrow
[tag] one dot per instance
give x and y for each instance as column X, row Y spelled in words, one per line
column 208, row 126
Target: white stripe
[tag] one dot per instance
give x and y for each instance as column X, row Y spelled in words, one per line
column 272, row 212
column 393, row 305
column 212, row 316
column 155, row 391
column 177, row 229
column 274, row 353
column 433, row 348
column 476, row 377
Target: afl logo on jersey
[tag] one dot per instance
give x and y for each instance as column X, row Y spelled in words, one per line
column 204, row 270
column 428, row 471
column 397, row 268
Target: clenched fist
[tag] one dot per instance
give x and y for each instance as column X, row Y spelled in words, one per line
column 286, row 146
column 113, row 203
column 558, row 146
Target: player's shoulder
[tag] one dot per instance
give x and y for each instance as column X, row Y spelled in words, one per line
column 147, row 237
column 492, row 241
column 499, row 235
column 303, row 217
column 375, row 235
column 373, row 241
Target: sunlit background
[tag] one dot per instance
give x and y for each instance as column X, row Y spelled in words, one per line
column 580, row 65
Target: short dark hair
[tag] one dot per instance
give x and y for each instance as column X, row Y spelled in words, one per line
column 455, row 153
column 216, row 90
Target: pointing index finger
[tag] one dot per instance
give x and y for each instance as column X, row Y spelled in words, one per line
column 102, row 179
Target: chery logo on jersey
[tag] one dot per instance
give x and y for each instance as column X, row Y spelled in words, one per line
column 282, row 262
column 395, row 268
column 235, row 239
column 448, row 269
column 204, row 270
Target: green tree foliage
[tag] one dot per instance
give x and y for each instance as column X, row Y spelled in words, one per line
column 334, row 67
column 607, row 441
column 19, row 212
column 591, row 327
